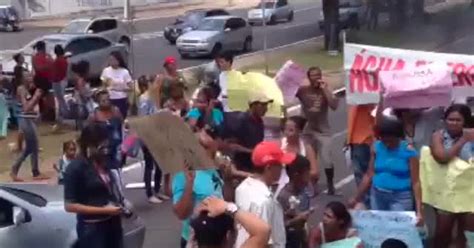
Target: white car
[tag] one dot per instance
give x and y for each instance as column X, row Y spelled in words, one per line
column 109, row 27
column 271, row 13
column 216, row 34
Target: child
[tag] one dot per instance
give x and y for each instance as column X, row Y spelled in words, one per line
column 177, row 102
column 69, row 154
column 295, row 202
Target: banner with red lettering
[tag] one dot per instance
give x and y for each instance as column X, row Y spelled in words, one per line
column 363, row 63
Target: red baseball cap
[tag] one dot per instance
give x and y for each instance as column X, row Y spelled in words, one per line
column 169, row 60
column 267, row 153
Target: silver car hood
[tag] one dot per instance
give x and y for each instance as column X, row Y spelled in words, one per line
column 198, row 35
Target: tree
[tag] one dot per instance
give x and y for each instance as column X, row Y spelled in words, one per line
column 331, row 24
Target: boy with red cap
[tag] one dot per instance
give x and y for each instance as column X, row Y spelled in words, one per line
column 171, row 80
column 254, row 194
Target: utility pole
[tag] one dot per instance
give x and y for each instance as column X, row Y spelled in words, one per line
column 126, row 10
column 265, row 35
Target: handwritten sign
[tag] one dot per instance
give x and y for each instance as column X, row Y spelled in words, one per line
column 289, row 78
column 171, row 142
column 374, row 227
column 345, row 243
column 470, row 239
column 362, row 65
column 447, row 187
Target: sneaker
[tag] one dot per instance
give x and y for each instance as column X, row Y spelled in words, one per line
column 154, row 200
column 162, row 196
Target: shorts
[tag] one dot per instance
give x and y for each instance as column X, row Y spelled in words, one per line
column 322, row 146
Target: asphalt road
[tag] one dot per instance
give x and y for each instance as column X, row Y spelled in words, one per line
column 150, row 48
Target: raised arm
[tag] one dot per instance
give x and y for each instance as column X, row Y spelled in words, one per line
column 443, row 155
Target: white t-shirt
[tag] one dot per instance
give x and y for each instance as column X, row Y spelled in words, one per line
column 223, row 95
column 254, row 196
column 120, row 79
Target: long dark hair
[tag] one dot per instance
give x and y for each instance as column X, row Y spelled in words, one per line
column 91, row 136
column 341, row 213
column 118, row 56
column 464, row 111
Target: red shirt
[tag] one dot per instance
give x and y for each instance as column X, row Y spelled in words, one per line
column 59, row 69
column 42, row 65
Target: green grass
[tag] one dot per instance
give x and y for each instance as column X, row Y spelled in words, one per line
column 311, row 56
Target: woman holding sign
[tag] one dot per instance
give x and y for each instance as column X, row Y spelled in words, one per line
column 393, row 173
column 454, row 141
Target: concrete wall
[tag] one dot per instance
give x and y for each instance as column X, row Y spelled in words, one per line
column 44, row 8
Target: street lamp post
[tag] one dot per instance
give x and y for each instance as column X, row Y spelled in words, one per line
column 129, row 19
column 265, row 41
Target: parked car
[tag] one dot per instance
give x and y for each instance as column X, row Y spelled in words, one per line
column 351, row 14
column 9, row 19
column 190, row 21
column 33, row 215
column 109, row 27
column 216, row 34
column 92, row 48
column 274, row 11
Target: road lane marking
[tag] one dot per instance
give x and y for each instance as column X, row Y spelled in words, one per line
column 148, row 36
column 342, row 183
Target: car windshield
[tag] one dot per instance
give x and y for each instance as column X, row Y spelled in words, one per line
column 27, row 196
column 50, row 44
column 212, row 25
column 193, row 18
column 268, row 5
column 76, row 27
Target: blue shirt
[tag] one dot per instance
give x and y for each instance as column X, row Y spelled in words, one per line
column 206, row 183
column 217, row 115
column 392, row 166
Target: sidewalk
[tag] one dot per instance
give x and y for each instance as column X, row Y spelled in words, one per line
column 161, row 10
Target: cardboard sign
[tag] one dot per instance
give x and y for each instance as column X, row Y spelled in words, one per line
column 171, row 142
column 290, row 78
column 362, row 65
column 345, row 243
column 374, row 227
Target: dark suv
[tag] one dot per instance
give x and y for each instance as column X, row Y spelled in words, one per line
column 9, row 19
column 190, row 21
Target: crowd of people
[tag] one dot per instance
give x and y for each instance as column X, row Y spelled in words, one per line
column 260, row 192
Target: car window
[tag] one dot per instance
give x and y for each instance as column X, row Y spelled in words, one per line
column 212, row 25
column 29, row 197
column 76, row 27
column 86, row 45
column 282, row 3
column 6, row 213
column 268, row 5
column 193, row 18
column 235, row 23
column 217, row 12
column 97, row 26
column 109, row 24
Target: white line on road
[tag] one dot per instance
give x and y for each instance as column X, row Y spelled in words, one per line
column 342, row 183
column 148, row 36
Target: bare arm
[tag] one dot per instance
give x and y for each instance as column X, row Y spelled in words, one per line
column 258, row 230
column 415, row 182
column 442, row 155
column 184, row 207
column 91, row 210
column 333, row 102
column 29, row 105
column 367, row 179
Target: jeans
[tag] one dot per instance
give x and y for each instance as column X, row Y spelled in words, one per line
column 28, row 127
column 360, row 157
column 105, row 234
column 150, row 164
column 58, row 89
column 387, row 200
column 122, row 105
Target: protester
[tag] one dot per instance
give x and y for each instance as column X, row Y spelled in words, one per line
column 293, row 142
column 82, row 103
column 316, row 99
column 69, row 154
column 147, row 106
column 254, row 194
column 224, row 62
column 90, row 192
column 214, row 225
column 360, row 136
column 43, row 67
column 336, row 225
column 191, row 187
column 171, row 77
column 453, row 141
column 393, row 173
column 26, row 103
column 19, row 77
column 177, row 102
column 59, row 78
column 296, row 202
column 204, row 112
column 246, row 130
column 118, row 81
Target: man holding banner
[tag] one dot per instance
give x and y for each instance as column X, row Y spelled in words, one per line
column 316, row 99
